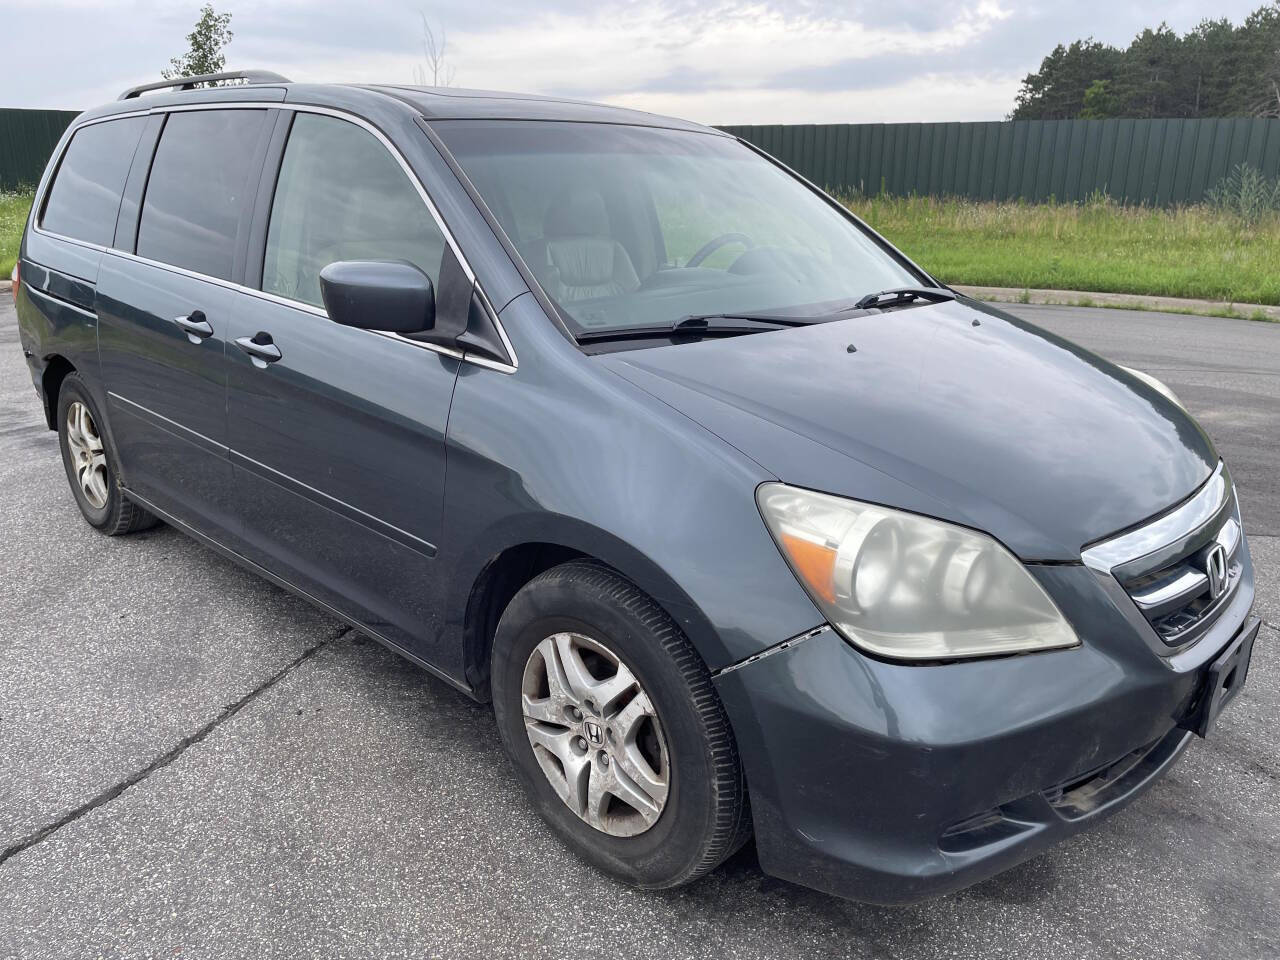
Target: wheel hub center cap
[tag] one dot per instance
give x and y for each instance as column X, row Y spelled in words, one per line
column 595, row 734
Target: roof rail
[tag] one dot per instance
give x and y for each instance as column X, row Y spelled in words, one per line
column 189, row 83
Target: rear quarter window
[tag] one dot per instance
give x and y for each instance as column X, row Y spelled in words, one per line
column 200, row 181
column 84, row 198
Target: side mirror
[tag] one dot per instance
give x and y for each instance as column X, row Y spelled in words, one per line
column 389, row 295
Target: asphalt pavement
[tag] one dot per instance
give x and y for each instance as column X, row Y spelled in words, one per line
column 195, row 764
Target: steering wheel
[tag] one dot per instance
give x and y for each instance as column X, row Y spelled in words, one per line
column 715, row 243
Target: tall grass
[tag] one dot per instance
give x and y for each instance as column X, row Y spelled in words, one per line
column 1246, row 193
column 13, row 217
column 1194, row 251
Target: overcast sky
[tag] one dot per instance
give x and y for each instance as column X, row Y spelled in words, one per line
column 791, row 61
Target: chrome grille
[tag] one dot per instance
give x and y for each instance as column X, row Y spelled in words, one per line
column 1178, row 596
column 1181, row 568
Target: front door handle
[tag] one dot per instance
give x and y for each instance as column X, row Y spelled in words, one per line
column 195, row 325
column 260, row 348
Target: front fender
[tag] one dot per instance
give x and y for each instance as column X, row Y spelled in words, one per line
column 566, row 452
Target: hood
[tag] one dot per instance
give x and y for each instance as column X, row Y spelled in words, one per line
column 953, row 410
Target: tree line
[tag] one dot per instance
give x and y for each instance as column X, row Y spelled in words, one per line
column 1216, row 69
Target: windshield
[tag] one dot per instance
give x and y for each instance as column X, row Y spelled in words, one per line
column 634, row 226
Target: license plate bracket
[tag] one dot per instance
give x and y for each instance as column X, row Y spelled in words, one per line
column 1223, row 679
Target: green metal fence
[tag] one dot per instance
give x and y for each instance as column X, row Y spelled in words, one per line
column 27, row 138
column 1154, row 162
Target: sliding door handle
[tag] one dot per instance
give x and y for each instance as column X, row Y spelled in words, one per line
column 195, row 325
column 260, row 348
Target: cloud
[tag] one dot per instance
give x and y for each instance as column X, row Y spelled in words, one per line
column 949, row 97
column 728, row 47
column 711, row 60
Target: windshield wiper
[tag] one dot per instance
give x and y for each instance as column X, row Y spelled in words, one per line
column 699, row 325
column 903, row 295
column 736, row 324
column 780, row 319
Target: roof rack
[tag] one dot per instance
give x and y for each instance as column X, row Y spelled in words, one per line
column 189, row 83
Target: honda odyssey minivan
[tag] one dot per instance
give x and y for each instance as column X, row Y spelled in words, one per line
column 749, row 528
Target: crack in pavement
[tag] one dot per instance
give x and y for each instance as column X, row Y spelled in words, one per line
column 172, row 754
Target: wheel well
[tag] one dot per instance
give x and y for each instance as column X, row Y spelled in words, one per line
column 501, row 579
column 55, row 371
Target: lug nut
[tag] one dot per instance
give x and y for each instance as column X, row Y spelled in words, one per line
column 575, row 713
column 604, row 758
column 582, row 743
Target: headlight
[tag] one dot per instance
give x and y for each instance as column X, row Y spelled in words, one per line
column 907, row 587
column 1158, row 385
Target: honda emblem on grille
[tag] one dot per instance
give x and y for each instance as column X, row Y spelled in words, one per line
column 1215, row 565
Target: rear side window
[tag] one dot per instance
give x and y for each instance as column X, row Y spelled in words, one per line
column 200, row 178
column 85, row 196
column 342, row 196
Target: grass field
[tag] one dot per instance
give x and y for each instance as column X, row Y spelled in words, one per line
column 1100, row 246
column 13, row 217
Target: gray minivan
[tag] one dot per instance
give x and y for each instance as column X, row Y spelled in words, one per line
column 747, row 526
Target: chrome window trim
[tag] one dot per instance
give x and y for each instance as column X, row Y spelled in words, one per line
column 113, row 116
column 285, row 301
column 88, row 245
column 307, row 308
column 1183, row 520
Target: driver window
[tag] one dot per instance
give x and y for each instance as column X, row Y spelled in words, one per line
column 342, row 196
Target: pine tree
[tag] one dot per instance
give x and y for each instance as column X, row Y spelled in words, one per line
column 1057, row 90
column 1216, row 69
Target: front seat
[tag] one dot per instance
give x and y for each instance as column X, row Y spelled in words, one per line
column 577, row 258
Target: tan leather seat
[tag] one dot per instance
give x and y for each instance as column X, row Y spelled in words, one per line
column 577, row 258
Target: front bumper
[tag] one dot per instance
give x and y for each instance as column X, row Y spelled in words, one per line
column 892, row 783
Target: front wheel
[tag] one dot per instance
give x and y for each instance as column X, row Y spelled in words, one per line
column 92, row 465
column 615, row 730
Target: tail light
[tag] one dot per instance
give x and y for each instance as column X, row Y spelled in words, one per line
column 17, row 279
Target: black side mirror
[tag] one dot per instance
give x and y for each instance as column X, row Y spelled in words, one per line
column 389, row 295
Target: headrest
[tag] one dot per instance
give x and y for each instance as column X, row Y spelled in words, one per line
column 578, row 212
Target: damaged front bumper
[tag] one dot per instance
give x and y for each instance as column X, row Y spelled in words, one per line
column 892, row 783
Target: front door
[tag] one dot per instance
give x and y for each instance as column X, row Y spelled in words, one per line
column 337, row 434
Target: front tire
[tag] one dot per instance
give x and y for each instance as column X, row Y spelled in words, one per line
column 92, row 464
column 615, row 730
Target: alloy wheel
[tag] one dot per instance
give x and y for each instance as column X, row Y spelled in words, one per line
column 596, row 734
column 88, row 456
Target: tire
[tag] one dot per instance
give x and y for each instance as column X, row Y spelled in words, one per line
column 691, row 770
column 84, row 441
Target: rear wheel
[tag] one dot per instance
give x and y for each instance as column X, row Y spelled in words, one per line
column 615, row 729
column 92, row 464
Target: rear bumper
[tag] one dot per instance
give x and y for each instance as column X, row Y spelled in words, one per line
column 891, row 783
